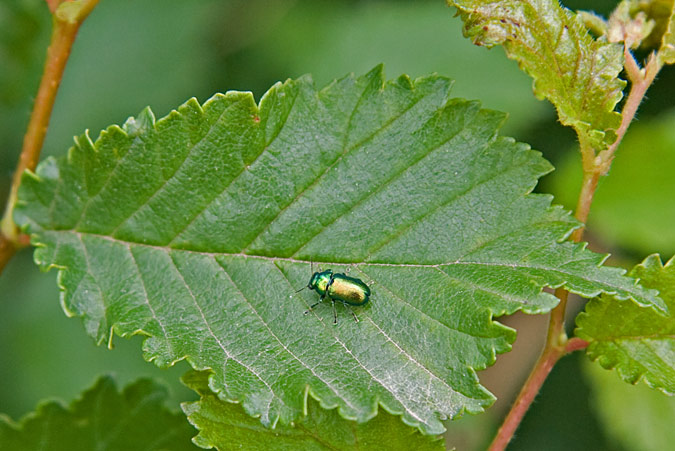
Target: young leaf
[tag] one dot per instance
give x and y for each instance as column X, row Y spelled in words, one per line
column 224, row 425
column 103, row 419
column 667, row 50
column 197, row 229
column 634, row 340
column 575, row 72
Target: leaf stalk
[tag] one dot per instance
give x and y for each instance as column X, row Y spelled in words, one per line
column 66, row 20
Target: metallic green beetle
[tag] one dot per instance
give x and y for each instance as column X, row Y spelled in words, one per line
column 338, row 287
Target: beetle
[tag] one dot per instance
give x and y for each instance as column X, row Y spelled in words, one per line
column 338, row 287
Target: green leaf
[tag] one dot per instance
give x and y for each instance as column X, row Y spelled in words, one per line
column 594, row 23
column 634, row 416
column 225, row 426
column 633, row 207
column 197, row 229
column 637, row 342
column 575, row 72
column 103, row 419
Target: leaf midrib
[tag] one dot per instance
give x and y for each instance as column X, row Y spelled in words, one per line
column 458, row 261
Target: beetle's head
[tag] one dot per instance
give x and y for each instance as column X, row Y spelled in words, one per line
column 313, row 281
column 320, row 280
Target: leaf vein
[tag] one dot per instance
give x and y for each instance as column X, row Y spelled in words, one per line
column 485, row 290
column 278, row 340
column 196, row 145
column 107, row 180
column 391, row 390
column 234, row 179
column 319, row 179
column 407, row 226
column 208, row 327
column 147, row 299
column 421, row 312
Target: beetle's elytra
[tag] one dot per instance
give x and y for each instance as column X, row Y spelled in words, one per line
column 338, row 287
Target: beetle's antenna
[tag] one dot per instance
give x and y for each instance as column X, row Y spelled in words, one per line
column 301, row 289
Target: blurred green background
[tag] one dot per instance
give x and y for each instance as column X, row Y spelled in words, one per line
column 133, row 53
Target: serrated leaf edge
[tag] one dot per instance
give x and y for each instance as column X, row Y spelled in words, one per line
column 632, row 377
column 146, row 119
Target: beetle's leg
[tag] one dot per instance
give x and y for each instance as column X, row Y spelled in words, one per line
column 354, row 315
column 323, row 296
column 312, row 306
column 315, row 304
column 334, row 311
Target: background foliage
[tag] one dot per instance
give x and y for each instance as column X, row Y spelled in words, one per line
column 197, row 47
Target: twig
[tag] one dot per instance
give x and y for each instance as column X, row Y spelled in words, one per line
column 588, row 185
column 640, row 82
column 7, row 251
column 557, row 343
column 534, row 382
column 68, row 17
column 553, row 351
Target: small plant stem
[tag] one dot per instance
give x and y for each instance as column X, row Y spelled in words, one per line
column 594, row 166
column 575, row 344
column 588, row 185
column 640, row 80
column 534, row 382
column 67, row 19
column 7, row 250
column 53, row 4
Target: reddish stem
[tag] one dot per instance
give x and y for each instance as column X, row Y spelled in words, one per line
column 575, row 344
column 7, row 251
column 594, row 166
column 64, row 30
column 640, row 82
column 542, row 368
column 553, row 350
column 534, row 382
column 52, row 5
column 588, row 186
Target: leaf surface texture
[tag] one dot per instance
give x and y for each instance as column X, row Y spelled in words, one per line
column 197, row 229
column 103, row 419
column 575, row 72
column 225, row 426
column 636, row 341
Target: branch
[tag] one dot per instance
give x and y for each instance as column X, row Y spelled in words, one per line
column 557, row 344
column 68, row 16
column 7, row 251
column 527, row 394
